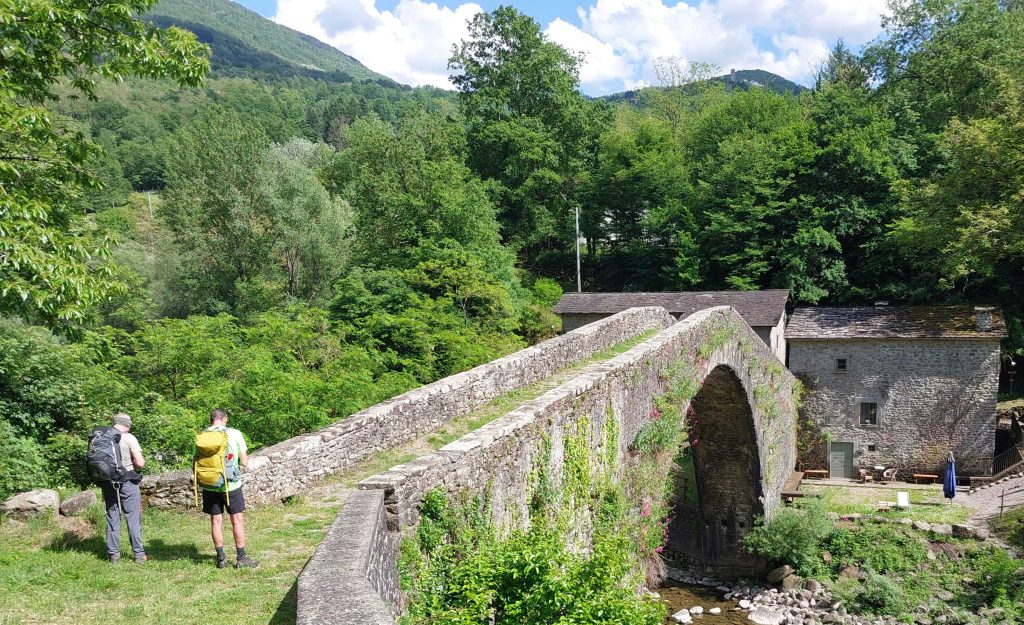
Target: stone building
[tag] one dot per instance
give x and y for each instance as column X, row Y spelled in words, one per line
column 899, row 387
column 764, row 311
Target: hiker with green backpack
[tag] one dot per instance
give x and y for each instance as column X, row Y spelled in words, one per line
column 220, row 455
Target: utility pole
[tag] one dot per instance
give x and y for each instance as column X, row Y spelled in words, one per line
column 579, row 276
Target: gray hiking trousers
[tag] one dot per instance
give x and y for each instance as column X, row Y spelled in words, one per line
column 131, row 505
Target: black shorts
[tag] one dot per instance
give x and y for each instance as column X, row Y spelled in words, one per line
column 213, row 502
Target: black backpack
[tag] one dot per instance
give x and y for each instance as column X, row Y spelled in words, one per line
column 103, row 460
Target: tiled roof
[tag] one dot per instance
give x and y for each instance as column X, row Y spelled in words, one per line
column 894, row 322
column 758, row 308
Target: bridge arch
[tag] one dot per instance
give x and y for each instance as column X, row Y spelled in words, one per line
column 719, row 488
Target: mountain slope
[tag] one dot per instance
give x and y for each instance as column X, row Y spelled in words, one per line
column 243, row 39
column 737, row 79
column 747, row 78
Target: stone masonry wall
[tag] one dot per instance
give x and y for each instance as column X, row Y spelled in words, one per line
column 933, row 396
column 496, row 461
column 288, row 467
column 352, row 577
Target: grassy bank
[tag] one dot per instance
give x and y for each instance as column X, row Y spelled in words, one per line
column 55, row 571
column 925, row 504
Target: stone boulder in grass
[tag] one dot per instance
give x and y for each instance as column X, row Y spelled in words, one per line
column 31, row 504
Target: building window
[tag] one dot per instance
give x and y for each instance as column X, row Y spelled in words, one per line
column 868, row 413
column 841, row 365
column 872, row 447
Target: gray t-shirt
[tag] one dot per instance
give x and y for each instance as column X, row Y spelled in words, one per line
column 129, row 444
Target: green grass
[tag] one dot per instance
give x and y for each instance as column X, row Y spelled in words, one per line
column 1010, row 527
column 925, row 505
column 55, row 572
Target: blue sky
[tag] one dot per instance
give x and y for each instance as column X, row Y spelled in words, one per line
column 623, row 41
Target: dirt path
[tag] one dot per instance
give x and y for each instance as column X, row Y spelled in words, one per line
column 987, row 499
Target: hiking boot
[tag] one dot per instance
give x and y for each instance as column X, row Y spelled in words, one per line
column 245, row 562
column 141, row 558
column 115, row 559
column 222, row 562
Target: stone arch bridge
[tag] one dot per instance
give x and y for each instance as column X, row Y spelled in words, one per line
column 743, row 415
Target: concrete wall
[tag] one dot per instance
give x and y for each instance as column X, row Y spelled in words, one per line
column 352, row 577
column 287, row 468
column 934, row 396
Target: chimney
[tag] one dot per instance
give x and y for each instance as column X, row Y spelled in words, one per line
column 882, row 302
column 983, row 318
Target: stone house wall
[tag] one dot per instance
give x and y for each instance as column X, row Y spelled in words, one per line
column 285, row 469
column 934, row 396
column 571, row 321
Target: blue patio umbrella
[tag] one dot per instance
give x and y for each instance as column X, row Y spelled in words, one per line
column 949, row 481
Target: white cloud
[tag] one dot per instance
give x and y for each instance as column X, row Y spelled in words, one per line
column 601, row 63
column 410, row 44
column 619, row 38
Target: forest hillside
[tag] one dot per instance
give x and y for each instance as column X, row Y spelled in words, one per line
column 263, row 225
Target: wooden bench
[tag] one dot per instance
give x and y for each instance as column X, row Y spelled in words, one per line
column 925, row 476
column 821, row 474
column 792, row 488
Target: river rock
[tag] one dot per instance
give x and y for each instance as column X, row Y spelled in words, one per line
column 77, row 504
column 682, row 616
column 775, row 576
column 715, row 611
column 766, row 616
column 792, row 582
column 745, row 604
column 851, row 572
column 812, row 585
column 696, row 610
column 33, row 503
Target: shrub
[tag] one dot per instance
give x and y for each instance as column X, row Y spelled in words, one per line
column 882, row 548
column 22, row 465
column 464, row 574
column 794, row 536
column 882, row 595
column 999, row 579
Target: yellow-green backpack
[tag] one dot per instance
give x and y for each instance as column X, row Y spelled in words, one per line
column 210, row 467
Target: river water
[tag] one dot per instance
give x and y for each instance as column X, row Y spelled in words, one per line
column 679, row 596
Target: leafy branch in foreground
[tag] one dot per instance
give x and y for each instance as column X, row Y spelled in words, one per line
column 51, row 265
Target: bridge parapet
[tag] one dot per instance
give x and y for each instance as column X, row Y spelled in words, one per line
column 289, row 467
column 496, row 460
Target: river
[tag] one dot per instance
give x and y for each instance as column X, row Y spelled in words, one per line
column 679, row 596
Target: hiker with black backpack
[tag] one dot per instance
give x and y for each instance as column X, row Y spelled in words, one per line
column 112, row 459
column 220, row 455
